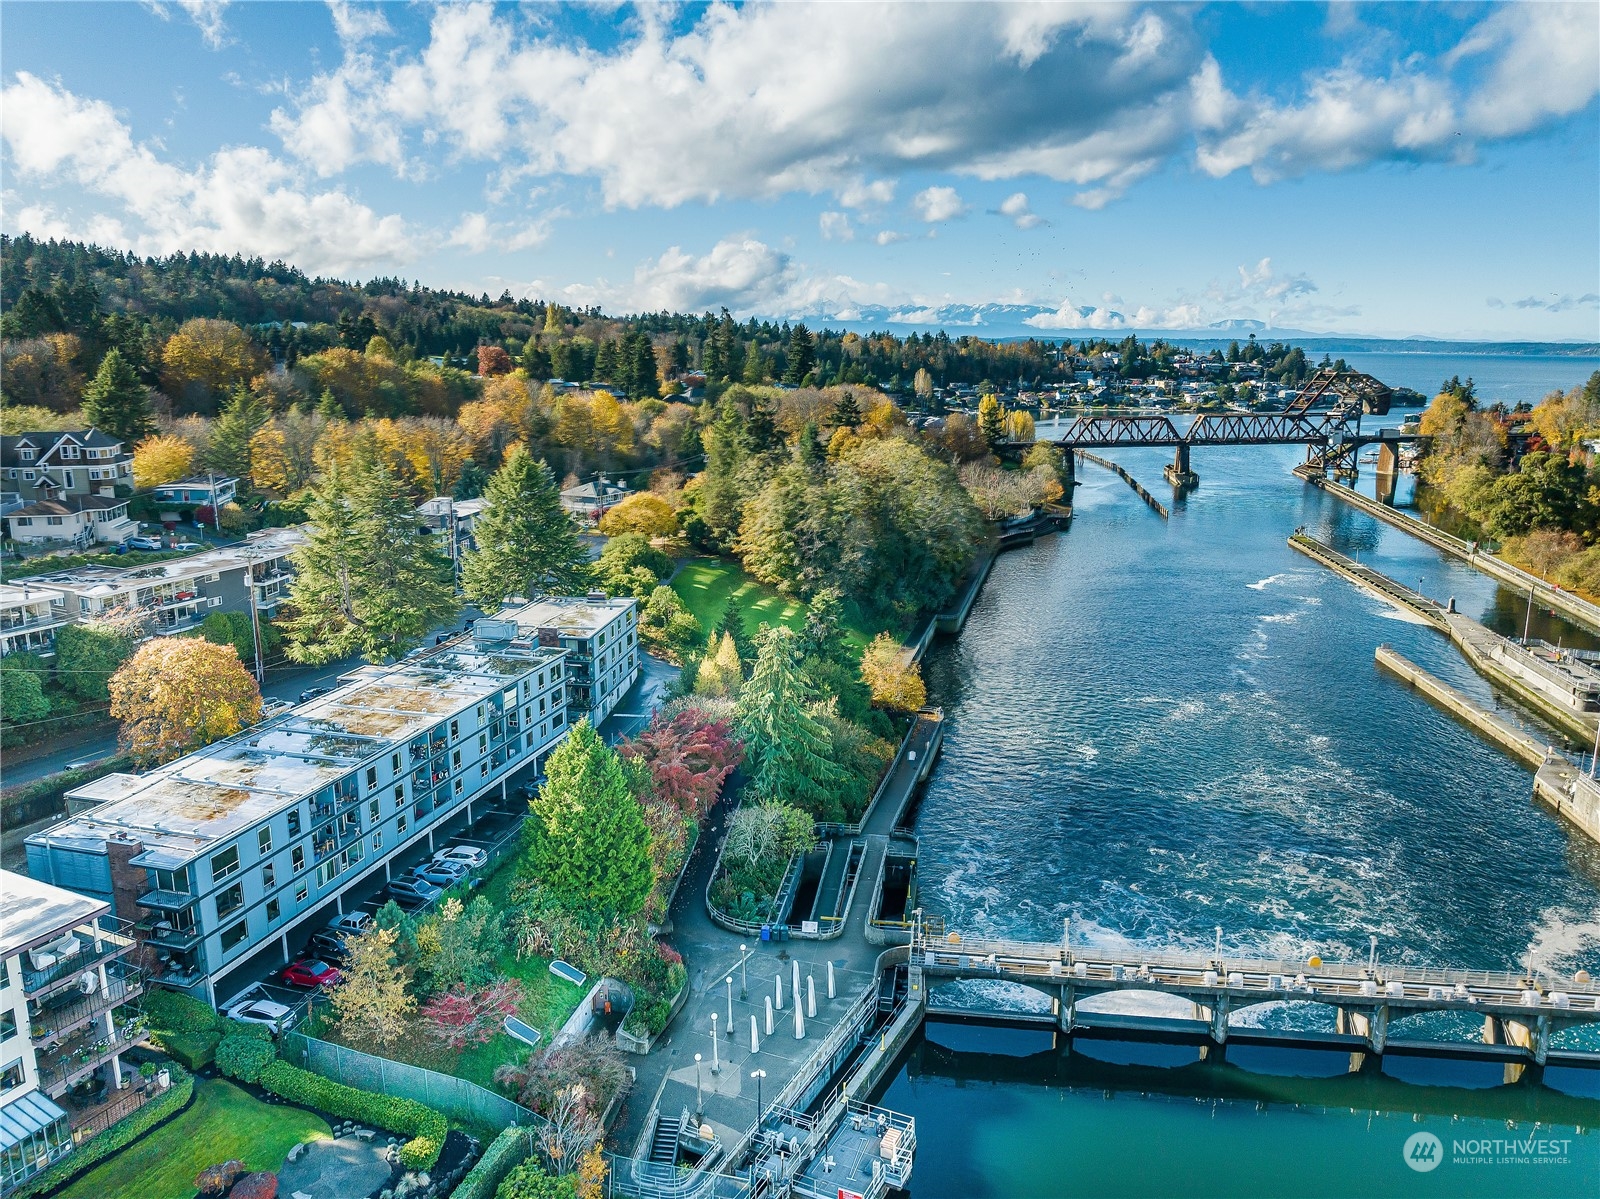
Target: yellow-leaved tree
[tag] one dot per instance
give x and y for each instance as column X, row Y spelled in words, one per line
column 176, row 694
column 896, row 681
column 211, row 355
column 644, row 512
column 371, row 1000
column 164, row 458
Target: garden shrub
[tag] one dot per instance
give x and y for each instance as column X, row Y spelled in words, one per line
column 195, row 1050
column 261, row 1185
column 244, row 1057
column 214, row 1180
column 117, row 1137
column 173, row 1011
column 426, row 1127
column 506, row 1152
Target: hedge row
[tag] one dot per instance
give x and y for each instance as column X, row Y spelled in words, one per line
column 118, row 1136
column 505, row 1153
column 244, row 1057
column 173, row 1011
column 426, row 1127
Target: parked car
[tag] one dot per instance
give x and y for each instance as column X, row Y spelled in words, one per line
column 310, row 972
column 469, row 856
column 263, row 1011
column 351, row 924
column 143, row 542
column 416, row 889
column 311, row 693
column 441, row 874
column 328, row 946
column 188, row 545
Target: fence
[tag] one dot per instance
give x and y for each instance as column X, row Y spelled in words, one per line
column 455, row 1097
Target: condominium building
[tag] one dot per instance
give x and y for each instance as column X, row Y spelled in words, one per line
column 602, row 638
column 181, row 592
column 246, row 844
column 63, row 984
column 455, row 521
column 30, row 614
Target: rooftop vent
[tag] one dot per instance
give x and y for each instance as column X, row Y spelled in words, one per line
column 597, row 596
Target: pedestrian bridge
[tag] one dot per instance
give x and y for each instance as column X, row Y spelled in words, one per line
column 1518, row 1010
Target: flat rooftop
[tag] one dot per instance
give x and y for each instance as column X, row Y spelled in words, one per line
column 182, row 809
column 112, row 580
column 32, row 912
column 573, row 615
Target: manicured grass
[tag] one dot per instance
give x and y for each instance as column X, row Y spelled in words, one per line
column 705, row 584
column 222, row 1123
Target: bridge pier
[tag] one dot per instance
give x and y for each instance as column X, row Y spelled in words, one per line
column 1372, row 1026
column 1388, row 472
column 1216, row 1015
column 1064, row 1010
column 1179, row 473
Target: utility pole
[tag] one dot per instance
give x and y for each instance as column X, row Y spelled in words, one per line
column 255, row 614
column 216, row 508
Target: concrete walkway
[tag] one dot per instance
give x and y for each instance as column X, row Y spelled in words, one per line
column 344, row 1169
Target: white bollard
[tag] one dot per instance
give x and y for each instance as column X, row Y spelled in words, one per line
column 794, row 965
column 830, row 981
column 755, row 1044
column 779, row 1002
column 799, row 1023
column 769, row 1015
column 811, row 996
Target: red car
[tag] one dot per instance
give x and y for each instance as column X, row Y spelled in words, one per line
column 308, row 972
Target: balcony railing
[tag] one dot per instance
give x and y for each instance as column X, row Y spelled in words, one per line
column 66, row 963
column 166, row 901
column 51, row 1024
column 81, row 1056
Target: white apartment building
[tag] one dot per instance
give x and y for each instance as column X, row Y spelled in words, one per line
column 248, row 843
column 63, row 982
column 30, row 614
column 602, row 639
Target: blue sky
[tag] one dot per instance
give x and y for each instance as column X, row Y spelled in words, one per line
column 1402, row 169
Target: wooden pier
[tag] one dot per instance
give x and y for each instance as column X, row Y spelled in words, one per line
column 1156, row 505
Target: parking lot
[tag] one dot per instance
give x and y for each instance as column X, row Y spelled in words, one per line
column 494, row 830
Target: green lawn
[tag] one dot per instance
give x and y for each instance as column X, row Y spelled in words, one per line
column 705, row 584
column 222, row 1123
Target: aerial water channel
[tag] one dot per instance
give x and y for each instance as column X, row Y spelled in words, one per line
column 1163, row 728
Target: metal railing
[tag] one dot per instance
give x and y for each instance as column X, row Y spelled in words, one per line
column 112, row 939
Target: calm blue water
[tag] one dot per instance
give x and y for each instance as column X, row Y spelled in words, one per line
column 1508, row 379
column 1158, row 728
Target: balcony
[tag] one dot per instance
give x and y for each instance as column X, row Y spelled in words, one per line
column 53, row 1024
column 12, row 624
column 84, row 1053
column 67, row 958
column 166, row 901
column 177, row 938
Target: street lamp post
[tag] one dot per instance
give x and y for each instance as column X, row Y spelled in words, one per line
column 699, row 1103
column 758, row 1075
column 744, row 977
column 716, row 1064
column 730, row 1005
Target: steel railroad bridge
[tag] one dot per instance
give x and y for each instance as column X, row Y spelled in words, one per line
column 1325, row 416
column 1521, row 1011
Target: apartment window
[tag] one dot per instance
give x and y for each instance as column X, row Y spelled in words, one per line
column 394, row 763
column 483, row 769
column 224, row 863
column 559, row 719
column 372, row 776
column 11, row 1076
column 458, row 787
column 455, row 730
column 69, row 451
column 377, row 842
column 232, row 935
column 372, row 812
column 8, row 1024
column 483, row 743
column 22, row 520
column 70, row 479
column 401, row 826
column 269, row 876
column 173, row 880
column 273, row 911
column 52, row 520
column 400, row 796
column 294, row 823
column 297, row 859
column 230, row 900
column 455, row 759
column 264, row 839
column 27, row 455
column 301, row 892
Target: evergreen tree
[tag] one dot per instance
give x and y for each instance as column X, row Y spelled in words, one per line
column 644, row 379
column 369, row 578
column 802, row 355
column 471, row 482
column 823, row 634
column 328, row 406
column 732, row 626
column 760, row 428
column 588, row 843
column 808, row 448
column 720, row 672
column 790, row 750
column 991, row 421
column 526, row 540
column 846, row 411
column 117, row 403
column 239, row 421
column 605, row 362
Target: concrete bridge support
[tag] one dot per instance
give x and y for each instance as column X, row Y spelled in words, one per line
column 1216, row 1015
column 1064, row 1009
column 1179, row 474
column 1388, row 472
column 1370, row 1024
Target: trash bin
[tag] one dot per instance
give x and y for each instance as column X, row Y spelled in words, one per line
column 766, row 932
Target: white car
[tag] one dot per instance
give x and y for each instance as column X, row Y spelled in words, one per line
column 188, row 545
column 351, row 924
column 263, row 1011
column 441, row 873
column 467, row 855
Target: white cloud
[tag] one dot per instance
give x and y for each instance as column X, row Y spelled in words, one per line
column 207, row 16
column 835, row 226
column 887, row 237
column 356, row 22
column 477, row 234
column 862, row 194
column 936, row 204
column 1015, row 207
column 243, row 200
